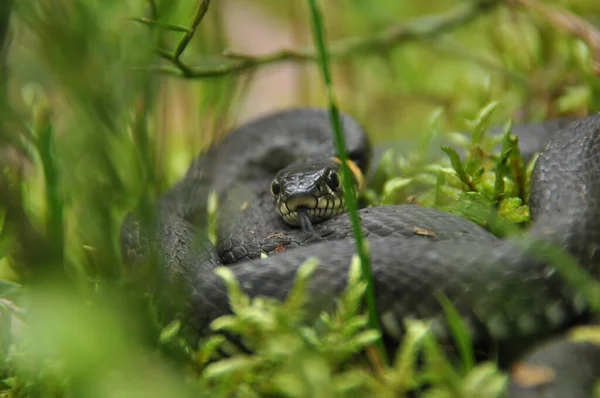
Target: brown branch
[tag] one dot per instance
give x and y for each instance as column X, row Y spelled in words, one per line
column 570, row 23
column 382, row 42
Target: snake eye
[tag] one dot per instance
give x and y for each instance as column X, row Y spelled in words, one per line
column 275, row 187
column 333, row 180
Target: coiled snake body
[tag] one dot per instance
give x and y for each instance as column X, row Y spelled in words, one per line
column 504, row 290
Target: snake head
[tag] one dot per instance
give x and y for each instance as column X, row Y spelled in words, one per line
column 308, row 192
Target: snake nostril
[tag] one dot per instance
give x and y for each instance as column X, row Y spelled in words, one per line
column 297, row 200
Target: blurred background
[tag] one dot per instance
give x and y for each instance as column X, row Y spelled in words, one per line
column 522, row 53
column 97, row 116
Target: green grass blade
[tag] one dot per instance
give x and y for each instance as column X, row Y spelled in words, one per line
column 349, row 193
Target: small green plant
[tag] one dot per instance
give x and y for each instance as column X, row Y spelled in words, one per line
column 94, row 123
column 488, row 187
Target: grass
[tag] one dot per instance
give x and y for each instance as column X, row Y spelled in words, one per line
column 90, row 130
column 349, row 191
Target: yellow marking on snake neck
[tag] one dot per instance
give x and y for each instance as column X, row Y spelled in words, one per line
column 356, row 172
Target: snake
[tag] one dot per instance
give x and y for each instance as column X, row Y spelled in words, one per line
column 509, row 292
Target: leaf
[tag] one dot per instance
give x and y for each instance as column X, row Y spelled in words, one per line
column 457, row 164
column 480, row 123
column 7, row 288
column 459, row 139
column 208, row 348
column 170, row 331
column 460, row 333
column 350, row 381
column 225, row 322
column 393, row 185
column 406, row 357
column 509, row 143
column 354, row 271
column 297, row 294
column 365, row 338
column 212, row 212
column 312, row 374
column 513, row 211
column 225, row 367
column 237, row 299
column 485, row 380
column 477, row 174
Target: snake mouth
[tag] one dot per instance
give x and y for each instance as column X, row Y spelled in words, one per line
column 311, row 215
column 309, row 192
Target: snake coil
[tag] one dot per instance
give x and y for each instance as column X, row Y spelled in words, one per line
column 507, row 293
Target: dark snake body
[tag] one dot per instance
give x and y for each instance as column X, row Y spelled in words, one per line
column 506, row 294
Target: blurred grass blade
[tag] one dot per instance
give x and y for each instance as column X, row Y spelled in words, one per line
column 460, row 332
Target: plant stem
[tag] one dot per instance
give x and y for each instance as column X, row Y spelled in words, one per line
column 349, row 191
column 187, row 37
column 379, row 43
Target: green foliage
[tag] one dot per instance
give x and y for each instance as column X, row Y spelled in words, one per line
column 88, row 132
column 290, row 358
column 487, row 187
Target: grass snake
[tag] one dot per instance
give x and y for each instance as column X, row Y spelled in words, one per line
column 507, row 294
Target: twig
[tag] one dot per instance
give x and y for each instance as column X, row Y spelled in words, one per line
column 382, row 42
column 157, row 24
column 571, row 23
column 181, row 46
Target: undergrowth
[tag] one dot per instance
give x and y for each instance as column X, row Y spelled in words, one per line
column 91, row 127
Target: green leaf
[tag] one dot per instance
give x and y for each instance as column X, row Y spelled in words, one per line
column 348, row 382
column 479, row 125
column 226, row 367
column 485, row 380
column 393, row 185
column 477, row 174
column 212, row 207
column 238, row 300
column 460, row 333
column 297, row 294
column 457, row 164
column 459, row 139
column 513, row 211
column 225, row 322
column 7, row 288
column 366, row 338
column 406, row 357
column 509, row 144
column 170, row 331
column 208, row 348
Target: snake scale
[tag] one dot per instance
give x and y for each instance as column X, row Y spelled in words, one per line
column 507, row 295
